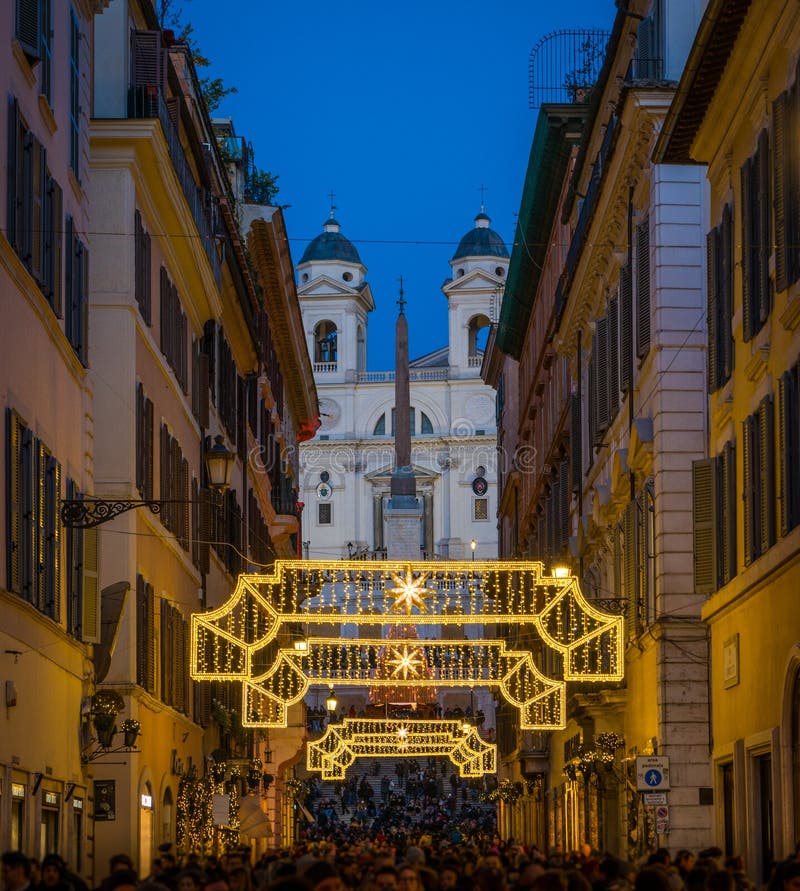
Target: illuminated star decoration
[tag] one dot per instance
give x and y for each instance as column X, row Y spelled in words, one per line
column 410, row 591
column 406, row 662
column 402, row 738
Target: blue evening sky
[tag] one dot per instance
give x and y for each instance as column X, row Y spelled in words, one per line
column 403, row 111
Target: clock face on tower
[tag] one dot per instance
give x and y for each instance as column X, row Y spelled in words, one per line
column 329, row 413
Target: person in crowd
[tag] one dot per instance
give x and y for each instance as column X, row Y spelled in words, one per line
column 15, row 871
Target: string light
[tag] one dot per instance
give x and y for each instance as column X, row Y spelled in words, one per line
column 354, row 738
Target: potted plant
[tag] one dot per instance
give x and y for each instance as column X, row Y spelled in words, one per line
column 131, row 729
column 106, row 705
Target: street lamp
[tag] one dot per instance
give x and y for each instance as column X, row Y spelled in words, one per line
column 331, row 702
column 84, row 513
column 472, row 545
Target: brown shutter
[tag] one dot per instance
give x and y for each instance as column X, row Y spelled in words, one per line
column 140, row 439
column 712, row 315
column 90, row 590
column 52, row 252
column 203, row 381
column 747, row 250
column 781, row 177
column 184, row 496
column 141, row 632
column 28, row 27
column 704, row 501
column 766, row 482
column 25, row 232
column 14, row 532
column 726, row 517
column 785, row 404
column 149, row 60
column 747, row 490
column 643, row 288
column 576, row 442
column 84, row 304
column 38, row 204
column 12, row 187
column 764, row 246
column 149, row 469
column 39, row 537
column 725, row 295
column 166, row 653
column 613, row 358
column 625, row 328
column 601, row 371
column 206, row 530
column 631, row 569
column 52, row 539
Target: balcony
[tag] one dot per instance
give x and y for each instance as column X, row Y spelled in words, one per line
column 415, row 374
column 148, row 102
column 474, row 361
column 325, row 367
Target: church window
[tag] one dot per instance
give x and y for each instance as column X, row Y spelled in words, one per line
column 477, row 334
column 499, row 272
column 325, row 342
column 380, row 426
column 426, row 427
column 347, row 276
column 325, row 514
column 305, row 276
column 459, row 273
column 480, row 509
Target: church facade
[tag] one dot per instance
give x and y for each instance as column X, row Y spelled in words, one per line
column 346, row 469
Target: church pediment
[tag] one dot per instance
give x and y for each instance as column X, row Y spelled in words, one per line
column 324, row 286
column 477, row 279
column 384, row 474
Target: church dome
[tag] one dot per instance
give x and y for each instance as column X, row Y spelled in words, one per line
column 482, row 241
column 331, row 246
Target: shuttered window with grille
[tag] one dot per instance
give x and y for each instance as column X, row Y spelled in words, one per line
column 33, row 527
column 756, row 239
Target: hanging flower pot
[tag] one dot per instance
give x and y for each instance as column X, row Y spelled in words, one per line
column 131, row 729
column 105, row 728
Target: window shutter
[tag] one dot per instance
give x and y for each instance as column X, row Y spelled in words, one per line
column 151, row 638
column 601, row 372
column 52, row 254
column 626, row 328
column 576, row 442
column 766, row 481
column 206, row 530
column 203, row 382
column 69, row 276
column 52, row 539
column 141, row 632
column 12, row 194
column 164, row 468
column 167, row 653
column 613, row 358
column 747, row 490
column 28, row 555
column 39, row 535
column 28, row 28
column 563, row 488
column 781, row 177
column 164, row 310
column 789, row 449
column 726, row 516
column 90, row 600
column 712, row 314
column 595, row 435
column 631, row 569
column 764, row 244
column 140, row 439
column 704, row 501
column 25, row 232
column 643, row 288
column 184, row 496
column 748, row 295
column 38, row 201
column 14, row 501
column 725, row 296
column 149, row 471
column 195, row 512
column 149, row 60
column 83, row 347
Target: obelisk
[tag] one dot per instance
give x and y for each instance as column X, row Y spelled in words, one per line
column 404, row 511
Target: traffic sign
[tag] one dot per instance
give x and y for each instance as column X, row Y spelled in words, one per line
column 655, row 798
column 652, row 773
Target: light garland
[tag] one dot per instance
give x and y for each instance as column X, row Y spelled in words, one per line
column 248, row 638
column 354, row 738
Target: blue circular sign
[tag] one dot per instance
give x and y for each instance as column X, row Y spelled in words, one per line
column 653, row 777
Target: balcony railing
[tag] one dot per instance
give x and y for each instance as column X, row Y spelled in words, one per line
column 147, row 102
column 325, row 367
column 474, row 361
column 415, row 374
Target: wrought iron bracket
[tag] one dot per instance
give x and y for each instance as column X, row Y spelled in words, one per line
column 85, row 513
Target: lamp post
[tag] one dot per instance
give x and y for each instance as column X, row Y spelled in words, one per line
column 472, row 545
column 84, row 513
column 330, row 704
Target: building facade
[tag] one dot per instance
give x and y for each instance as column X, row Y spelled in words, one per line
column 743, row 124
column 346, row 470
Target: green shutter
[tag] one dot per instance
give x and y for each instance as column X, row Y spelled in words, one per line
column 748, row 295
column 766, row 431
column 643, row 288
column 704, row 501
column 613, row 358
column 725, row 296
column 726, row 518
column 781, row 177
column 748, row 501
column 764, row 243
column 14, row 531
column 712, row 315
column 90, row 600
column 625, row 329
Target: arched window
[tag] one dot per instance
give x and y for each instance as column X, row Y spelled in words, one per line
column 325, row 346
column 380, row 426
column 477, row 335
column 361, row 349
column 426, row 427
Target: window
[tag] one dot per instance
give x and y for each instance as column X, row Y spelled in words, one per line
column 27, row 28
column 174, row 658
column 174, row 343
column 142, row 283
column 144, row 444
column 426, row 427
column 145, row 635
column 480, row 508
column 604, row 376
column 325, row 514
column 76, row 302
column 81, row 559
column 789, row 449
column 625, row 328
column 714, row 516
column 33, row 527
column 758, row 463
column 34, row 208
column 719, row 271
column 325, row 343
column 74, row 93
column 227, row 386
column 380, row 426
column 46, row 49
column 174, row 473
column 756, row 239
column 786, row 182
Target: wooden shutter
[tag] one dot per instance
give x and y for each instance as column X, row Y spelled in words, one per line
column 90, row 593
column 712, row 314
column 164, row 294
column 748, row 500
column 789, row 450
column 782, row 143
column 184, row 496
column 704, row 501
column 12, row 187
column 52, row 252
column 151, row 638
column 25, row 232
column 726, row 515
column 725, row 296
column 748, row 295
column 148, row 464
column 595, row 438
column 83, row 283
column 28, row 555
column 28, row 28
column 643, row 288
column 52, row 539
column 631, row 569
column 141, row 632
column 766, row 481
column 613, row 358
column 576, row 442
column 14, row 529
column 140, row 439
column 625, row 328
column 206, row 530
column 149, row 60
column 203, row 387
column 39, row 517
column 764, row 244
column 38, row 199
column 601, row 372
column 164, row 469
column 195, row 513
column 563, row 489
column 167, row 653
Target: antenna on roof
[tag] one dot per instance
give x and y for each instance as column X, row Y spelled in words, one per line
column 332, row 195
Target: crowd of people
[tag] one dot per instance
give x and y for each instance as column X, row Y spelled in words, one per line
column 365, row 860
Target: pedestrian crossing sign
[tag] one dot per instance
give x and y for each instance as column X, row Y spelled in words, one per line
column 652, row 773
